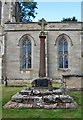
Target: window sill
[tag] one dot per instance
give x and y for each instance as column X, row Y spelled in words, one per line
column 64, row 69
column 24, row 70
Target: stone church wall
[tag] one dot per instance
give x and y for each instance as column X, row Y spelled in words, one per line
column 13, row 57
column 53, row 29
column 82, row 53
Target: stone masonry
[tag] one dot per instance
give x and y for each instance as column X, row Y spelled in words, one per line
column 11, row 33
column 54, row 29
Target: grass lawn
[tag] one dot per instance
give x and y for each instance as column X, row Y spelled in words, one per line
column 38, row 113
column 0, row 101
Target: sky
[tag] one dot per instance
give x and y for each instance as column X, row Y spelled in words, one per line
column 56, row 11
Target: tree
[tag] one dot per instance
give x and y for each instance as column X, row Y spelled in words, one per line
column 69, row 19
column 26, row 11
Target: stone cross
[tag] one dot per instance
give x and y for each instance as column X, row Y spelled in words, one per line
column 42, row 36
column 42, row 23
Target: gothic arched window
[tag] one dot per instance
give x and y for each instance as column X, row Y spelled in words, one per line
column 63, row 53
column 26, row 53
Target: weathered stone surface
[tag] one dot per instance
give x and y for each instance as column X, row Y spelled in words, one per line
column 50, row 26
column 37, row 100
column 72, row 105
column 17, row 97
column 36, row 92
column 50, row 106
column 73, row 81
column 11, row 104
column 66, row 98
column 25, row 92
column 57, row 91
